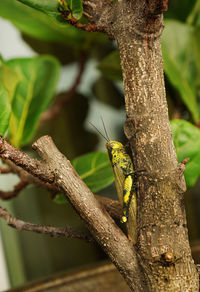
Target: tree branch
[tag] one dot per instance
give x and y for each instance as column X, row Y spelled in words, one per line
column 86, row 27
column 4, row 170
column 17, row 189
column 57, row 169
column 102, row 227
column 67, row 232
column 113, row 207
column 157, row 7
column 33, row 166
column 98, row 12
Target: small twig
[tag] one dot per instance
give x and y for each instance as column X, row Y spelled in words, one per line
column 17, row 189
column 4, row 170
column 113, row 207
column 67, row 232
column 87, row 27
column 65, row 97
column 184, row 161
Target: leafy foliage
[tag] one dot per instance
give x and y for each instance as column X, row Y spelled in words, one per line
column 38, row 24
column 30, row 85
column 5, row 109
column 181, row 47
column 187, row 143
column 50, row 7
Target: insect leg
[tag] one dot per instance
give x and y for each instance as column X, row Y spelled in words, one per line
column 128, row 193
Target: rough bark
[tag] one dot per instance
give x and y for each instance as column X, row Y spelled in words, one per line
column 101, row 225
column 162, row 237
column 59, row 171
column 161, row 259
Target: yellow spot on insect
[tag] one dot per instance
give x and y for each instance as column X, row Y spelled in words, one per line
column 124, row 219
column 126, row 198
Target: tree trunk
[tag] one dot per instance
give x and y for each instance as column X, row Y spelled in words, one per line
column 161, row 258
column 162, row 242
column 162, row 237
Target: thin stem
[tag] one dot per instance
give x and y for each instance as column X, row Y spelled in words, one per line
column 17, row 189
column 66, row 232
column 4, row 170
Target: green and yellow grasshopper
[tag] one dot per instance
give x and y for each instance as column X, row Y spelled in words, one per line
column 125, row 183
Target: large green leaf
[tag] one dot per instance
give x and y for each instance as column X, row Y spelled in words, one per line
column 47, row 6
column 50, row 7
column 187, row 143
column 10, row 79
column 180, row 62
column 38, row 78
column 95, row 170
column 38, row 24
column 5, row 109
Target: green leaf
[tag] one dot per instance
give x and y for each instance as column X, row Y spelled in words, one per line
column 10, row 78
column 38, row 24
column 47, row 6
column 180, row 63
column 60, row 199
column 50, row 7
column 110, row 66
column 76, row 7
column 5, row 109
column 187, row 143
column 38, row 78
column 95, row 170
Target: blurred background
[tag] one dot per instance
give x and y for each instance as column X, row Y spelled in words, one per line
column 91, row 83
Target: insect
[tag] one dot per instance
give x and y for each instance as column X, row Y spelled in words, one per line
column 124, row 180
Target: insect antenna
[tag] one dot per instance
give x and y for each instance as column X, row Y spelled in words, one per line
column 108, row 139
column 99, row 132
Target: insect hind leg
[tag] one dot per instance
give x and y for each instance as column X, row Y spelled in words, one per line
column 128, row 191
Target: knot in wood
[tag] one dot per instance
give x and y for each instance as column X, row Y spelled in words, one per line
column 168, row 257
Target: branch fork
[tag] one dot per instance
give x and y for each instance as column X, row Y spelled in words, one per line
column 57, row 169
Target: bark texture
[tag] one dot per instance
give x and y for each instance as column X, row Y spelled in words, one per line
column 101, row 225
column 162, row 237
column 161, row 258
